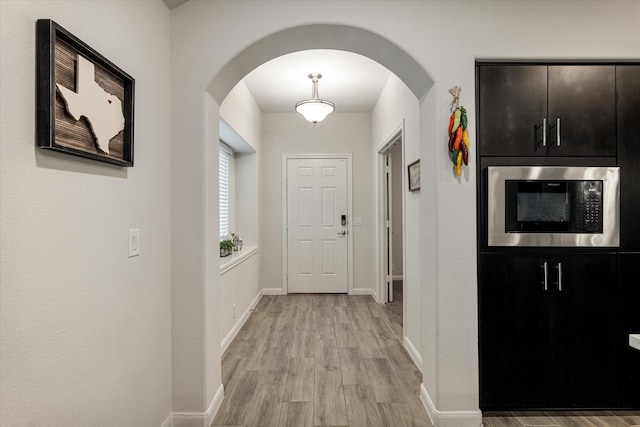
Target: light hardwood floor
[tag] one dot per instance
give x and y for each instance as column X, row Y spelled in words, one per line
column 563, row 419
column 314, row 360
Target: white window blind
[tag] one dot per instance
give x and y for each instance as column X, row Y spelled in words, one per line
column 225, row 155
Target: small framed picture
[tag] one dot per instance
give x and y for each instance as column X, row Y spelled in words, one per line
column 414, row 175
column 84, row 103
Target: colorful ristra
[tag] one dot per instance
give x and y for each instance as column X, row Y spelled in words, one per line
column 458, row 139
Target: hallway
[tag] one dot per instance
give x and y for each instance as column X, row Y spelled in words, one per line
column 305, row 360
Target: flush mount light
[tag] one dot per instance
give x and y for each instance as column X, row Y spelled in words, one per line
column 315, row 109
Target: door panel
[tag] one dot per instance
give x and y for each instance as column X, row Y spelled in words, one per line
column 628, row 96
column 514, row 332
column 317, row 249
column 584, row 324
column 583, row 98
column 629, row 365
column 329, row 256
column 305, row 208
column 512, row 105
column 305, row 257
column 329, row 208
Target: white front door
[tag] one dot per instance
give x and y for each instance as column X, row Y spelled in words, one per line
column 317, row 240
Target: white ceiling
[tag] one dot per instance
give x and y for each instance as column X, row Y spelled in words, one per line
column 351, row 81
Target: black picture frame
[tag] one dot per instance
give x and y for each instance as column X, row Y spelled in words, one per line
column 56, row 129
column 414, row 175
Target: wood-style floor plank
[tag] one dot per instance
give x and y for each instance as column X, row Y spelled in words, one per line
column 300, row 380
column 237, row 398
column 345, row 336
column 327, row 355
column 369, row 344
column 362, row 408
column 562, row 419
column 328, row 404
column 265, row 407
column 296, row 414
column 399, row 414
column 352, row 367
column 385, row 384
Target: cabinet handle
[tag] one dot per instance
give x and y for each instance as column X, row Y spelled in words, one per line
column 544, row 132
column 546, row 284
column 559, row 267
column 558, row 131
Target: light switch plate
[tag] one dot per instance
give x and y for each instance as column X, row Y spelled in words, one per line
column 134, row 242
column 634, row 341
column 357, row 220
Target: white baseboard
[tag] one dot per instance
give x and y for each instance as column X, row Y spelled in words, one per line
column 449, row 418
column 413, row 353
column 273, row 291
column 215, row 404
column 364, row 291
column 238, row 325
column 199, row 419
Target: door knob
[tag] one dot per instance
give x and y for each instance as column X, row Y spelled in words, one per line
column 342, row 233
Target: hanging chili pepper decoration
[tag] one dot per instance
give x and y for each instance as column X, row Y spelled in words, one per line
column 458, row 136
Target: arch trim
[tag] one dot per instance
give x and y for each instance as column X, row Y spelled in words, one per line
column 322, row 36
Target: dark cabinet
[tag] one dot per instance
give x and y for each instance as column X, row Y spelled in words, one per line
column 547, row 331
column 546, row 110
column 629, row 365
column 513, row 332
column 628, row 106
column 512, row 106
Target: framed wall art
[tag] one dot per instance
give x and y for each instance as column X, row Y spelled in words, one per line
column 414, row 175
column 84, row 103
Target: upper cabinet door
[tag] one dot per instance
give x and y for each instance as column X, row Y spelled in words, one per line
column 512, row 106
column 582, row 110
column 628, row 89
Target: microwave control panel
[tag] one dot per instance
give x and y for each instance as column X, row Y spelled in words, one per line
column 590, row 208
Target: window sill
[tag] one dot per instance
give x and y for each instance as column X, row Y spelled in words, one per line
column 236, row 258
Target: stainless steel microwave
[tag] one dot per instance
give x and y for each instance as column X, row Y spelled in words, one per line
column 553, row 206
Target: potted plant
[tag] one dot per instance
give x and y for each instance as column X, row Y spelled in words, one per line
column 226, row 247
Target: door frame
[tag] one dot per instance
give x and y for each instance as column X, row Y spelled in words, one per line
column 285, row 201
column 382, row 151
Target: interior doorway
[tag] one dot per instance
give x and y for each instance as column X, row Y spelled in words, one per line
column 391, row 159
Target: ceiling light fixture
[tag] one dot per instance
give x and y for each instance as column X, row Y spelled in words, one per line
column 315, row 109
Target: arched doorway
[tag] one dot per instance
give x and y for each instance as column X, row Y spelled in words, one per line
column 199, row 162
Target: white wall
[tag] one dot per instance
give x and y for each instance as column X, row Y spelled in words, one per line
column 240, row 286
column 445, row 37
column 340, row 133
column 395, row 105
column 85, row 331
column 240, row 111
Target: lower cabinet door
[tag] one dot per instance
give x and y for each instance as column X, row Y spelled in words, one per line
column 584, row 321
column 513, row 332
column 629, row 357
column 548, row 331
